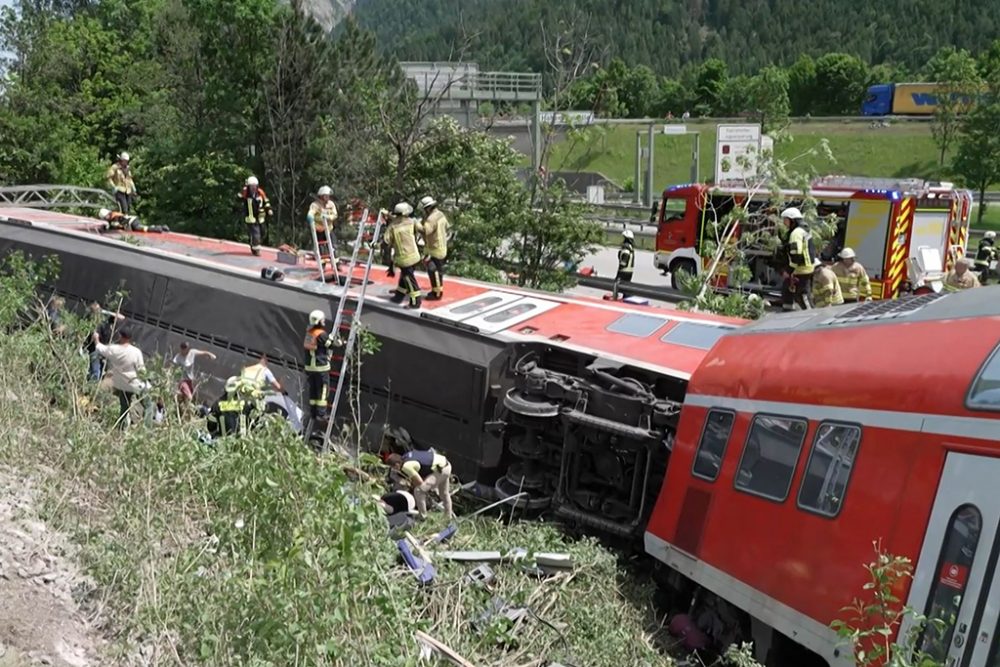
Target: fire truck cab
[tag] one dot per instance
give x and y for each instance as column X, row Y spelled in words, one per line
column 906, row 233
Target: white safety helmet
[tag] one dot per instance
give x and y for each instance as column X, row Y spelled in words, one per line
column 124, row 157
column 847, row 253
column 325, row 191
column 252, row 180
column 103, row 213
column 232, row 384
column 316, row 317
column 990, row 234
column 402, row 208
column 427, row 202
column 817, row 263
column 628, row 234
column 791, row 213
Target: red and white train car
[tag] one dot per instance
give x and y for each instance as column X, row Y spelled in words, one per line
column 804, row 438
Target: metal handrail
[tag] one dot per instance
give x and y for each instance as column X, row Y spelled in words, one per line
column 48, row 196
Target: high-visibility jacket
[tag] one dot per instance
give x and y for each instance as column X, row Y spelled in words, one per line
column 120, row 179
column 826, row 288
column 317, row 346
column 953, row 282
column 985, row 254
column 424, row 462
column 322, row 216
column 229, row 416
column 401, row 236
column 435, row 231
column 255, row 208
column 626, row 259
column 800, row 251
column 256, row 376
column 854, row 284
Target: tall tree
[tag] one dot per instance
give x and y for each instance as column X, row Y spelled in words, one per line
column 767, row 98
column 802, row 85
column 957, row 76
column 710, row 83
column 840, row 84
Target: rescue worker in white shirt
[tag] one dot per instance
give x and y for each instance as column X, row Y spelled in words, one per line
column 322, row 216
column 317, row 346
column 231, row 414
column 960, row 277
column 626, row 258
column 255, row 208
column 853, row 278
column 825, row 287
column 435, row 232
column 118, row 221
column 797, row 287
column 185, row 360
column 986, row 254
column 401, row 250
column 425, row 470
column 125, row 366
column 122, row 185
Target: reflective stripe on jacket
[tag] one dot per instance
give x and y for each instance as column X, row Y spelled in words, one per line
column 402, row 238
column 256, row 208
column 429, row 461
column 826, row 288
column 120, row 179
column 322, row 216
column 626, row 258
column 317, row 346
column 854, row 284
column 800, row 255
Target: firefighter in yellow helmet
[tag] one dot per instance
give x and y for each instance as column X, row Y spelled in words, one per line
column 322, row 216
column 853, row 278
column 231, row 413
column 435, row 232
column 400, row 245
column 797, row 287
column 825, row 287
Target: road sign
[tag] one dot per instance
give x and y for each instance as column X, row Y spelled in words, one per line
column 675, row 129
column 736, row 150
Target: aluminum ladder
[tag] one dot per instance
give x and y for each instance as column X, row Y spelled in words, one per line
column 319, row 256
column 348, row 320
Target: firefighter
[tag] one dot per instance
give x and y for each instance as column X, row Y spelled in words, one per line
column 826, row 287
column 960, row 277
column 626, row 257
column 797, row 287
column 230, row 415
column 322, row 216
column 435, row 232
column 122, row 221
column 254, row 379
column 425, row 470
column 317, row 346
column 853, row 278
column 986, row 254
column 253, row 205
column 400, row 244
column 120, row 179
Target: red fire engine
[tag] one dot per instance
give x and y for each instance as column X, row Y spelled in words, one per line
column 780, row 481
column 905, row 233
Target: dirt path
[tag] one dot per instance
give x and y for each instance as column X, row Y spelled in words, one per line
column 41, row 620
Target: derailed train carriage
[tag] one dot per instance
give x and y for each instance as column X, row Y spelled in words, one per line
column 571, row 399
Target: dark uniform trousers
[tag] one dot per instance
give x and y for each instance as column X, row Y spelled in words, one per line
column 124, row 201
column 408, row 285
column 319, row 393
column 435, row 271
column 797, row 289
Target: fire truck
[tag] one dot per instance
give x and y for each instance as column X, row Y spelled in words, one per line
column 906, row 233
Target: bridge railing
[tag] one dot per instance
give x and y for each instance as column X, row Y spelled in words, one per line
column 54, row 197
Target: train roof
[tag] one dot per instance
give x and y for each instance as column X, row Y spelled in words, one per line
column 663, row 340
column 925, row 355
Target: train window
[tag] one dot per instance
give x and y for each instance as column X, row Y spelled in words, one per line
column 477, row 306
column 695, row 334
column 711, row 449
column 770, row 455
column 948, row 589
column 829, row 468
column 637, row 325
column 512, row 311
column 985, row 391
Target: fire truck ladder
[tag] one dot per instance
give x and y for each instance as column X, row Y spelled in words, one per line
column 348, row 320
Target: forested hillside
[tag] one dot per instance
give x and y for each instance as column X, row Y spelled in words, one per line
column 668, row 34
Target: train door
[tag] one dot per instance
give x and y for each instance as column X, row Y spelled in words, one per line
column 956, row 582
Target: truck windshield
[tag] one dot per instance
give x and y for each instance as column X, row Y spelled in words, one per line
column 674, row 209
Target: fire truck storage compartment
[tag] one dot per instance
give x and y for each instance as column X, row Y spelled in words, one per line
column 931, row 227
column 868, row 232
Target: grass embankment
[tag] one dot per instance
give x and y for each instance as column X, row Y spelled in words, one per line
column 901, row 150
column 256, row 552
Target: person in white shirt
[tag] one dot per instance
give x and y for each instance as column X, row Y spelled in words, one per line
column 125, row 366
column 185, row 360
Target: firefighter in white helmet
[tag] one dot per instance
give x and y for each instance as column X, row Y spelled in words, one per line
column 317, row 346
column 121, row 221
column 401, row 251
column 322, row 217
column 254, row 208
column 853, row 278
column 626, row 258
column 825, row 287
column 797, row 286
column 435, row 231
column 122, row 185
column 986, row 255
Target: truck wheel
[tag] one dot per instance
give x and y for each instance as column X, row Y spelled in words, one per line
column 681, row 265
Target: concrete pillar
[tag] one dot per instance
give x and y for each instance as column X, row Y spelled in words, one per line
column 637, row 185
column 536, row 135
column 650, row 179
column 696, row 158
